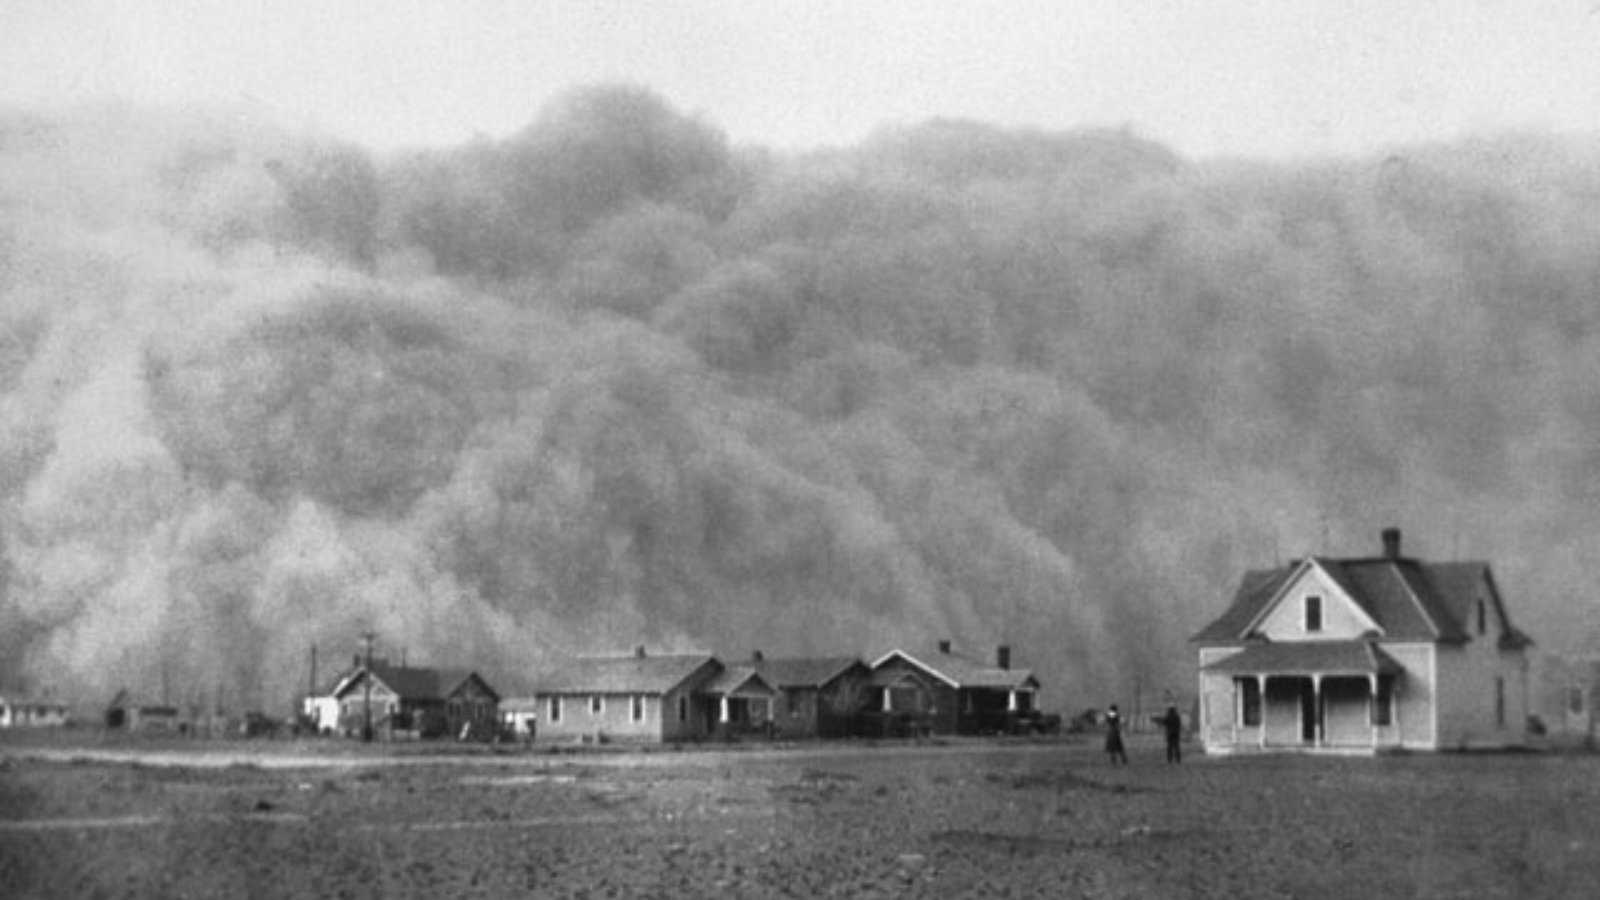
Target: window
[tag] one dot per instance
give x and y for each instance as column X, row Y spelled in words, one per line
column 1575, row 701
column 555, row 709
column 1383, row 703
column 792, row 700
column 637, row 711
column 683, row 708
column 597, row 705
column 1499, row 701
column 1313, row 614
column 1250, row 701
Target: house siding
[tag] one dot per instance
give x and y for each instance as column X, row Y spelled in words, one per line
column 1467, row 696
column 613, row 722
column 833, row 710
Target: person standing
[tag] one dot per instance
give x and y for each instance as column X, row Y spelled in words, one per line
column 1172, row 725
column 1114, row 748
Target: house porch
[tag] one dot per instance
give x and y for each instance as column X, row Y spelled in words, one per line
column 1272, row 700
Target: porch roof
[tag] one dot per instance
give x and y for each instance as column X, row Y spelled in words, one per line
column 740, row 681
column 1309, row 658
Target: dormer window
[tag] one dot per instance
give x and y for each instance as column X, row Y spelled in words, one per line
column 1313, row 614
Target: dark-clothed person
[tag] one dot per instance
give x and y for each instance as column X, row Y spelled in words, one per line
column 1114, row 747
column 1172, row 726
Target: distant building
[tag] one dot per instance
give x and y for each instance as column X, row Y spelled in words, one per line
column 128, row 713
column 321, row 708
column 413, row 702
column 32, row 712
column 1362, row 654
column 947, row 692
column 1569, row 695
column 642, row 698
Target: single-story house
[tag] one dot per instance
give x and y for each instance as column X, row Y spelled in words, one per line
column 652, row 699
column 817, row 697
column 743, row 701
column 124, row 712
column 32, row 712
column 947, row 692
column 1361, row 654
column 413, row 702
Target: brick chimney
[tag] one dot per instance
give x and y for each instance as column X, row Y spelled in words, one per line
column 944, row 647
column 639, row 651
column 1002, row 656
column 757, row 656
column 1391, row 543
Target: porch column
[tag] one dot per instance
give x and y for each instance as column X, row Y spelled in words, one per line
column 1261, row 693
column 722, row 709
column 1238, row 708
column 1316, row 710
column 1372, row 706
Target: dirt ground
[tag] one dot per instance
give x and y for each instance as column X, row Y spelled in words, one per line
column 956, row 819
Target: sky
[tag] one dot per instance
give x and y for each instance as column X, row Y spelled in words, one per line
column 1208, row 78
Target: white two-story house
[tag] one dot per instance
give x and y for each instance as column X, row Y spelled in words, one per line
column 1364, row 654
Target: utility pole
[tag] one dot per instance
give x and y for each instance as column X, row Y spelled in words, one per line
column 366, row 685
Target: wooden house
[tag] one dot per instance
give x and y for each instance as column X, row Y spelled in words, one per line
column 1360, row 654
column 320, row 708
column 743, row 701
column 125, row 712
column 32, row 712
column 642, row 698
column 947, row 692
column 816, row 697
column 411, row 702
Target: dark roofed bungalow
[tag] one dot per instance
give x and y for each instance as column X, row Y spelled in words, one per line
column 414, row 702
column 949, row 693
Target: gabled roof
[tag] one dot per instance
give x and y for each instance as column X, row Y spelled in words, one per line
column 805, row 672
column 626, row 674
column 415, row 683
column 1309, row 658
column 1256, row 590
column 1410, row 600
column 960, row 671
column 739, row 681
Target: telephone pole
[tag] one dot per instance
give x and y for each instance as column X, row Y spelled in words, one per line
column 366, row 686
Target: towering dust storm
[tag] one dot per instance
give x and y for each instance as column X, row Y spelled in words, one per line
column 613, row 381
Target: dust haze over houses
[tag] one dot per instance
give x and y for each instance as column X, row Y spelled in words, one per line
column 613, row 376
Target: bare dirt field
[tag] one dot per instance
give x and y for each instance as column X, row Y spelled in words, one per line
column 957, row 819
